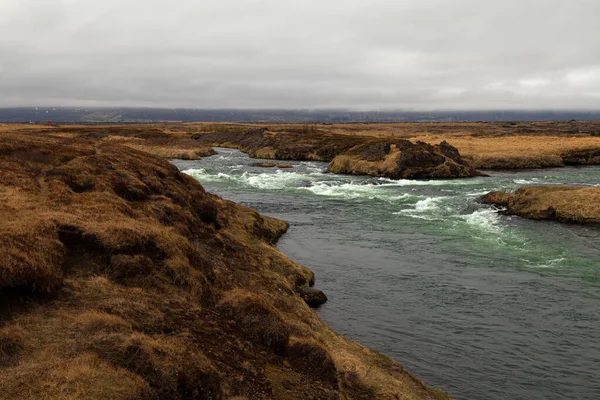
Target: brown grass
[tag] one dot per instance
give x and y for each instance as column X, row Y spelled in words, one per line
column 501, row 145
column 519, row 151
column 122, row 278
column 562, row 203
column 12, row 341
column 490, row 145
column 183, row 148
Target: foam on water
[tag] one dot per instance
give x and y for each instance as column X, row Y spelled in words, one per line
column 430, row 203
column 485, row 219
column 430, row 208
column 203, row 176
column 526, row 181
column 268, row 181
column 552, row 263
column 352, row 190
column 315, row 182
column 437, row 182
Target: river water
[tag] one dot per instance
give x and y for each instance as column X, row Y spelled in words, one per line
column 482, row 305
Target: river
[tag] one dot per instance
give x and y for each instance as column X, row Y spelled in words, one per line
column 479, row 304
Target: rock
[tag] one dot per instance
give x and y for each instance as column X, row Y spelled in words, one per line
column 425, row 161
column 312, row 297
column 264, row 164
column 285, row 166
column 402, row 144
column 376, row 152
column 449, row 151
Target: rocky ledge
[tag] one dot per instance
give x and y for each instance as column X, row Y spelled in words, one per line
column 358, row 155
column 122, row 278
column 577, row 204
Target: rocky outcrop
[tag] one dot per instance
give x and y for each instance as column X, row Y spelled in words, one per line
column 405, row 160
column 359, row 155
column 576, row 204
column 122, row 278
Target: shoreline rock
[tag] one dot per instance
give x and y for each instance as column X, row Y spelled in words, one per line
column 311, row 296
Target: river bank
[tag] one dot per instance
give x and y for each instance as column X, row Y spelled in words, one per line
column 123, row 278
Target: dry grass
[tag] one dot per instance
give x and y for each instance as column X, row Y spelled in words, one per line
column 518, row 151
column 416, row 129
column 12, row 341
column 93, row 321
column 122, row 278
column 500, row 145
column 82, row 377
column 183, row 148
column 563, row 203
column 490, row 145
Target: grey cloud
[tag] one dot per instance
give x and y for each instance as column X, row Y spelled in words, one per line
column 378, row 54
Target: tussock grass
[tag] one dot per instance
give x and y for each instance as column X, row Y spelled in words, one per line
column 181, row 148
column 256, row 319
column 563, row 203
column 12, row 341
column 520, row 151
column 122, row 278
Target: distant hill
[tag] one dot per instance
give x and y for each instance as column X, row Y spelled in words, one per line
column 149, row 115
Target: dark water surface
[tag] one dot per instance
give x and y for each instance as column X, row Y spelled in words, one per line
column 481, row 305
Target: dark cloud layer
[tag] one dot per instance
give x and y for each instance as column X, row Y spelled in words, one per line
column 401, row 54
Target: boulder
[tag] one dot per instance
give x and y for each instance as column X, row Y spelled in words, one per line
column 313, row 297
column 264, row 164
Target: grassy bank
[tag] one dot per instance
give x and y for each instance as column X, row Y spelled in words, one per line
column 575, row 204
column 122, row 278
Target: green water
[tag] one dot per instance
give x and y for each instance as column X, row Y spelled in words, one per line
column 479, row 304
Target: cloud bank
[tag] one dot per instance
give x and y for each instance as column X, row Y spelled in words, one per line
column 377, row 54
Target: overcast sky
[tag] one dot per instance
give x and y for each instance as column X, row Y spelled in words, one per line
column 367, row 54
